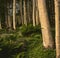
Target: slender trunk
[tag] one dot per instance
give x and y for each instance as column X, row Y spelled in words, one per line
column 46, row 34
column 21, row 18
column 25, row 21
column 33, row 12
column 29, row 11
column 57, row 22
column 9, row 22
column 8, row 18
column 6, row 13
column 37, row 13
column 0, row 24
column 14, row 14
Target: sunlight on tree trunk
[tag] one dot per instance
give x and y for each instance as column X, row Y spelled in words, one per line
column 14, row 14
column 57, row 27
column 46, row 33
column 33, row 12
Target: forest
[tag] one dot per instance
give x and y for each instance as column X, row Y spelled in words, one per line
column 29, row 28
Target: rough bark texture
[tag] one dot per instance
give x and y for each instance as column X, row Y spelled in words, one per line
column 46, row 34
column 57, row 21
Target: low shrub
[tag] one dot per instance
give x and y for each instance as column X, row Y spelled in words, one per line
column 30, row 29
column 12, row 47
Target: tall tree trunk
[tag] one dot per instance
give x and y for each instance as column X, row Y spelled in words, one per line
column 6, row 13
column 21, row 18
column 14, row 14
column 57, row 22
column 37, row 13
column 0, row 24
column 9, row 22
column 25, row 21
column 46, row 34
column 28, row 11
column 34, row 13
column 8, row 18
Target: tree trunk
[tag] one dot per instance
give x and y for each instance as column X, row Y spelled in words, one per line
column 21, row 15
column 8, row 18
column 46, row 34
column 34, row 13
column 25, row 21
column 37, row 13
column 9, row 22
column 57, row 27
column 6, row 13
column 28, row 11
column 0, row 24
column 14, row 14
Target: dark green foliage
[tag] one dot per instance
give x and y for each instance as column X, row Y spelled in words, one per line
column 28, row 30
column 35, row 49
column 13, row 46
column 2, row 31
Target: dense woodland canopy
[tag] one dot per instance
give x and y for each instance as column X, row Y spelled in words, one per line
column 30, row 28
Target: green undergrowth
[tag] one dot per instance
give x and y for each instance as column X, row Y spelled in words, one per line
column 35, row 50
column 29, row 30
column 24, row 47
column 25, row 42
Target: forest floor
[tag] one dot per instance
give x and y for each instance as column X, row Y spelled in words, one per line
column 33, row 49
column 15, row 45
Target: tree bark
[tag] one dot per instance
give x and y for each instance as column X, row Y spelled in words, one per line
column 8, row 17
column 34, row 13
column 21, row 15
column 46, row 32
column 57, row 27
column 28, row 8
column 25, row 20
column 9, row 22
column 14, row 14
column 37, row 13
column 0, row 24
